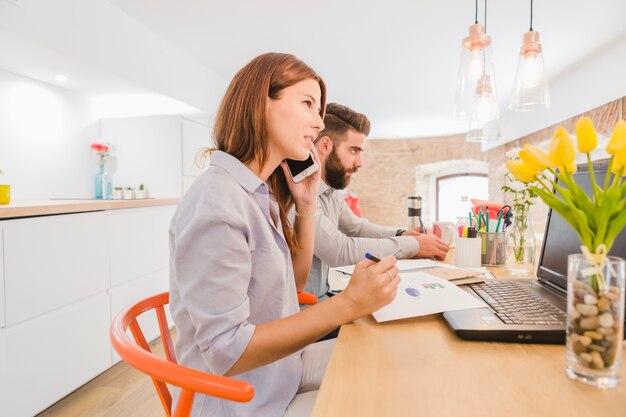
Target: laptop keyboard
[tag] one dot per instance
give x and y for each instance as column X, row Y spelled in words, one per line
column 516, row 304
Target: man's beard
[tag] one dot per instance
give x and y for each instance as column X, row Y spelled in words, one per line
column 336, row 174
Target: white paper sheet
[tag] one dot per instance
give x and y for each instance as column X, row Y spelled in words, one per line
column 402, row 265
column 420, row 294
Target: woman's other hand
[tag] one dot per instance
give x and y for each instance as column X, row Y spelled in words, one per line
column 372, row 286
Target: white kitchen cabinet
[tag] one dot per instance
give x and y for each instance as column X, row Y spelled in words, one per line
column 53, row 261
column 48, row 357
column 64, row 278
column 2, row 316
column 138, row 242
column 195, row 137
column 172, row 138
column 147, row 151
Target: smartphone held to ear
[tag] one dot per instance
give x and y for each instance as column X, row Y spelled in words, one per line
column 299, row 170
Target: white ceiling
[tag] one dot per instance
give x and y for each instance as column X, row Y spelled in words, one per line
column 394, row 60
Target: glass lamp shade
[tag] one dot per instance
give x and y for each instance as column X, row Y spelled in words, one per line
column 485, row 118
column 476, row 59
column 483, row 131
column 530, row 91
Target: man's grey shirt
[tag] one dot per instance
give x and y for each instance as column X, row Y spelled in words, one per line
column 342, row 238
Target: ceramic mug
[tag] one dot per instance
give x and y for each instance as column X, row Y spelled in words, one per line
column 5, row 194
column 445, row 230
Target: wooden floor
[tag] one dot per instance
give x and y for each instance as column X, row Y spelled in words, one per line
column 120, row 391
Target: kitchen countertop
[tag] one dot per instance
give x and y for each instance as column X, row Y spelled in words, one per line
column 28, row 208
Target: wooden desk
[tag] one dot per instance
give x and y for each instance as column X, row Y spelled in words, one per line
column 418, row 367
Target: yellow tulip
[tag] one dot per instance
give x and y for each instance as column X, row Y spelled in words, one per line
column 616, row 167
column 618, row 138
column 521, row 171
column 572, row 167
column 562, row 151
column 586, row 134
column 535, row 158
column 620, row 157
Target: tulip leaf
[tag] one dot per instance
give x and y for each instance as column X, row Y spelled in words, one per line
column 603, row 215
column 616, row 227
column 559, row 206
column 574, row 202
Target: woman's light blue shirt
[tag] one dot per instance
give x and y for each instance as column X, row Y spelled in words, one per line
column 231, row 269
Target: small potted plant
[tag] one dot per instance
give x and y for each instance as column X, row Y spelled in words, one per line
column 129, row 193
column 141, row 192
column 118, row 193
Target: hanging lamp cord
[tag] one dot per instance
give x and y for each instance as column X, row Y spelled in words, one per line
column 476, row 12
column 531, row 15
column 485, row 16
column 483, row 49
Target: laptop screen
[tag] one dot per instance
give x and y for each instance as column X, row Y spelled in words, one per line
column 560, row 239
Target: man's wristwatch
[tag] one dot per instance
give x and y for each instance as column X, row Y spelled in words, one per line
column 399, row 232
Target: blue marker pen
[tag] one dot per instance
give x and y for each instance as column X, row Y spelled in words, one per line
column 372, row 257
column 422, row 228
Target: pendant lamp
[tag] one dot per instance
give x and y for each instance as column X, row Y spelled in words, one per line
column 530, row 91
column 475, row 52
column 485, row 111
column 485, row 119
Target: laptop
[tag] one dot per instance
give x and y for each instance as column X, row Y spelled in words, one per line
column 531, row 310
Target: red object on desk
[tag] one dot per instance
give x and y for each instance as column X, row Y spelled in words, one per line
column 491, row 207
column 353, row 202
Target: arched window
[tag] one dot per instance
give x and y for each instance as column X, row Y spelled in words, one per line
column 451, row 189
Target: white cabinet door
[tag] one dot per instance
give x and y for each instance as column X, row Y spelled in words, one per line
column 50, row 262
column 124, row 295
column 46, row 358
column 147, row 151
column 138, row 242
column 195, row 137
column 2, row 318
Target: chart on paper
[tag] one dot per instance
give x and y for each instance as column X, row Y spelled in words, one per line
column 420, row 294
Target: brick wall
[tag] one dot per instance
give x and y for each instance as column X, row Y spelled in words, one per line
column 388, row 175
column 390, row 169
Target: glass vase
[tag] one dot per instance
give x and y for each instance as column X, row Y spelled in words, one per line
column 103, row 183
column 520, row 247
column 595, row 320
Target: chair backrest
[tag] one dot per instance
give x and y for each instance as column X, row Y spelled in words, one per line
column 163, row 371
column 306, row 298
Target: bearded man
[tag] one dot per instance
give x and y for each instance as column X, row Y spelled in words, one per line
column 342, row 238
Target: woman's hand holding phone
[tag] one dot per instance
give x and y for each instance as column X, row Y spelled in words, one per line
column 305, row 191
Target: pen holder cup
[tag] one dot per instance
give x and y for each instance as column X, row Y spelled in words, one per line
column 467, row 253
column 492, row 248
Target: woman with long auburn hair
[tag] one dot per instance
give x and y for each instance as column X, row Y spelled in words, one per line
column 236, row 261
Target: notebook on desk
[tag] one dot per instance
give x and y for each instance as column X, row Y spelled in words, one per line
column 529, row 310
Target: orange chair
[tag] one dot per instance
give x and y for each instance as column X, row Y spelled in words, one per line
column 162, row 371
column 306, row 298
column 168, row 371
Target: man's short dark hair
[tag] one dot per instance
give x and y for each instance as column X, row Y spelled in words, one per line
column 339, row 119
